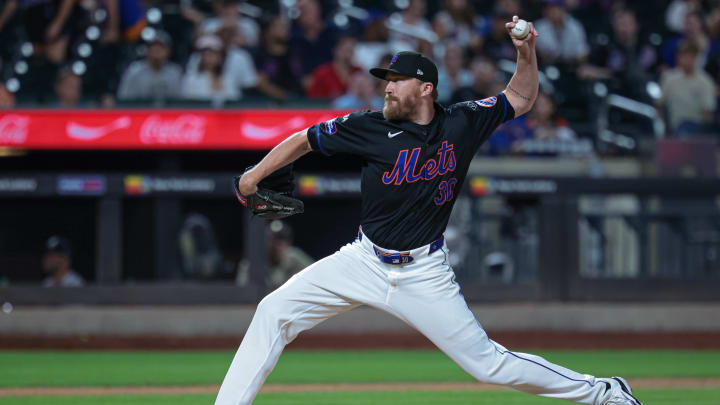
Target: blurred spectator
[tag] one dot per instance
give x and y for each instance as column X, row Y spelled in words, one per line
column 411, row 27
column 238, row 62
column 626, row 59
column 376, row 43
column 50, row 25
column 543, row 123
column 694, row 32
column 278, row 72
column 362, row 94
column 57, row 263
column 68, row 89
column 330, row 80
column 563, row 38
column 485, row 78
column 497, row 45
column 457, row 22
column 627, row 54
column 713, row 24
column 8, row 10
column 200, row 256
column 153, row 78
column 284, row 259
column 121, row 23
column 226, row 13
column 512, row 7
column 207, row 80
column 8, row 29
column 312, row 40
column 688, row 93
column 7, row 99
column 676, row 12
column 125, row 21
column 451, row 73
column 379, row 87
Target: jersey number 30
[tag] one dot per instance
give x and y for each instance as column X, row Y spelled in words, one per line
column 446, row 191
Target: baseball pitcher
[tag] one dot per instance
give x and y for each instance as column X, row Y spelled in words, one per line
column 416, row 156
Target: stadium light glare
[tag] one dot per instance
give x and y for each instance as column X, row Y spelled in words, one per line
column 84, row 50
column 552, row 72
column 655, row 39
column 148, row 34
column 654, row 90
column 154, row 15
column 79, row 67
column 600, row 89
column 21, row 67
column 92, row 33
column 27, row 49
column 100, row 15
column 12, row 84
column 341, row 20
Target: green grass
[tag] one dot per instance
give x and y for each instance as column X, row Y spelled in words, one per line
column 119, row 368
column 648, row 396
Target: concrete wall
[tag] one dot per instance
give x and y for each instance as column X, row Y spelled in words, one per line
column 233, row 320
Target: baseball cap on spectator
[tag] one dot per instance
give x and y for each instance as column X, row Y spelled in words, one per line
column 57, row 244
column 211, row 42
column 280, row 230
column 160, row 37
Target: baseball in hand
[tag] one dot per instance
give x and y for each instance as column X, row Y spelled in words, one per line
column 521, row 29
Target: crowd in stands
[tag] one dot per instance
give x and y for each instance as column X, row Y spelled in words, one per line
column 107, row 53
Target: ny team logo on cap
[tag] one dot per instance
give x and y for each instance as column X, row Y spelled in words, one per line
column 411, row 64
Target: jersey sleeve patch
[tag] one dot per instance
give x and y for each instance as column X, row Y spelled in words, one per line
column 487, row 102
column 330, row 127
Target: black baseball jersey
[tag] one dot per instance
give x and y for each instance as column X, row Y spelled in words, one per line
column 411, row 173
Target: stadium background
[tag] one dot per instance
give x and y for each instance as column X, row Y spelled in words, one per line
column 591, row 224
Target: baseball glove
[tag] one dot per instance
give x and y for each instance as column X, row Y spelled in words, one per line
column 272, row 200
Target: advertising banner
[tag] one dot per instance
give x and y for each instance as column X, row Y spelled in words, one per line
column 155, row 129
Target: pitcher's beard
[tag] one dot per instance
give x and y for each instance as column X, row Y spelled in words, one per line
column 399, row 110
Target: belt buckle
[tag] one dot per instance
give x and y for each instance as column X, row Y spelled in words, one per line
column 393, row 258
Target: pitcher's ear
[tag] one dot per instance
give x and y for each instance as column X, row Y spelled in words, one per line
column 434, row 92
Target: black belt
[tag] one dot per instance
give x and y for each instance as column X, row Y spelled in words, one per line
column 403, row 257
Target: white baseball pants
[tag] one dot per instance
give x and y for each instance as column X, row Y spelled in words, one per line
column 422, row 293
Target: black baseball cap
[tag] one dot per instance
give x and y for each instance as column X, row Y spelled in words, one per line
column 411, row 64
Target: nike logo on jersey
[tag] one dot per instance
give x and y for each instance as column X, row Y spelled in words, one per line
column 390, row 135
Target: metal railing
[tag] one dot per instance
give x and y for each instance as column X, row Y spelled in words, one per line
column 631, row 106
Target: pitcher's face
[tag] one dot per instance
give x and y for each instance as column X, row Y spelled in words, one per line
column 402, row 95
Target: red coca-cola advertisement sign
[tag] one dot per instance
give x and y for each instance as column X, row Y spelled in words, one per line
column 154, row 129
